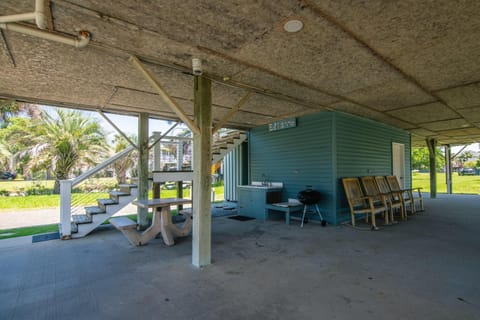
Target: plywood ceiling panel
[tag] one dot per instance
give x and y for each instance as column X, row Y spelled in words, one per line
column 410, row 64
column 427, row 112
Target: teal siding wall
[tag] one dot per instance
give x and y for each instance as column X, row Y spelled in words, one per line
column 364, row 148
column 235, row 171
column 297, row 157
column 321, row 150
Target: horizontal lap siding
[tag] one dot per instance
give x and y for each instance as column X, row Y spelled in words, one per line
column 364, row 148
column 297, row 157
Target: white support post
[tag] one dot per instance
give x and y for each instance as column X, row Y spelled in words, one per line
column 157, row 166
column 202, row 149
column 65, row 209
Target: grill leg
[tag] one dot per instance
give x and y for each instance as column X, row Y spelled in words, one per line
column 318, row 211
column 305, row 207
column 324, row 223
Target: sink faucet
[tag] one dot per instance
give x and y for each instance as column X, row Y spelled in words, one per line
column 264, row 179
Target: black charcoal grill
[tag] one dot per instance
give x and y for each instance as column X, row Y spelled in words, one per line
column 310, row 199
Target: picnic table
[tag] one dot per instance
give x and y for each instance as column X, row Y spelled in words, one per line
column 161, row 222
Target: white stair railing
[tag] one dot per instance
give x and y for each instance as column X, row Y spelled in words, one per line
column 66, row 187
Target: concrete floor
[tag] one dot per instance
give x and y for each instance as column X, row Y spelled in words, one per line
column 425, row 268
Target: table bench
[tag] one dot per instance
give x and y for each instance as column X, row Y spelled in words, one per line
column 284, row 207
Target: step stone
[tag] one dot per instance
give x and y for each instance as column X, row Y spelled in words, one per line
column 94, row 210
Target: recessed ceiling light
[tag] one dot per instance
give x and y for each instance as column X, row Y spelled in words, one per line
column 293, row 25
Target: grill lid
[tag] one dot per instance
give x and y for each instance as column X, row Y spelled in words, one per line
column 309, row 196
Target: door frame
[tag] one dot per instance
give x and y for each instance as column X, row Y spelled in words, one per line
column 398, row 162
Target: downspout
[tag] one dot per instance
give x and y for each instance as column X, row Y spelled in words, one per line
column 8, row 23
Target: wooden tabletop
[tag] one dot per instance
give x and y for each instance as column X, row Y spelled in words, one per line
column 157, row 203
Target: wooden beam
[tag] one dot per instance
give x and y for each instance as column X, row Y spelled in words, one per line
column 168, row 100
column 202, row 180
column 142, row 217
column 234, row 110
column 117, row 129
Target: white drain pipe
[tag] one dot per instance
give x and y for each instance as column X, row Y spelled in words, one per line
column 8, row 23
column 38, row 15
column 80, row 42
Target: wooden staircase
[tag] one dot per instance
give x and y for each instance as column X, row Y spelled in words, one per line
column 227, row 143
column 83, row 224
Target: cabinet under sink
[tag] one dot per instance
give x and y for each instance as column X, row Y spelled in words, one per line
column 253, row 198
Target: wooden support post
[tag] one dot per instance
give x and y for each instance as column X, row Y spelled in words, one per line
column 431, row 144
column 448, row 168
column 142, row 213
column 202, row 149
column 156, row 165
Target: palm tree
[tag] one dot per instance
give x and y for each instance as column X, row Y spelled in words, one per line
column 11, row 108
column 12, row 141
column 122, row 166
column 64, row 142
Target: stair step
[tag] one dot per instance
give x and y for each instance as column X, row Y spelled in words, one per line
column 127, row 185
column 82, row 218
column 103, row 203
column 106, row 202
column 118, row 193
column 94, row 210
column 115, row 195
column 74, row 227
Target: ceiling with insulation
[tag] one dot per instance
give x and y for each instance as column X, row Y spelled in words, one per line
column 411, row 64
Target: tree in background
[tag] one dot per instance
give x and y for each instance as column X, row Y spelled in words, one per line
column 464, row 156
column 64, row 142
column 10, row 109
column 421, row 159
column 13, row 140
column 12, row 126
column 122, row 166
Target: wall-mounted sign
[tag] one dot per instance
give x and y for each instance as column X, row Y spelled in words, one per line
column 282, row 124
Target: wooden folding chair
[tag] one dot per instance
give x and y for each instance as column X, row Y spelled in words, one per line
column 409, row 196
column 359, row 203
column 394, row 198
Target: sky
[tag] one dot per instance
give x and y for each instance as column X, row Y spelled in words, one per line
column 128, row 124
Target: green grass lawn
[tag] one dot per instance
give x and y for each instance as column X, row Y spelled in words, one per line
column 53, row 201
column 27, row 231
column 460, row 184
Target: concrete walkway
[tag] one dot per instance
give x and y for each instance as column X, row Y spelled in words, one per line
column 38, row 217
column 424, row 268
